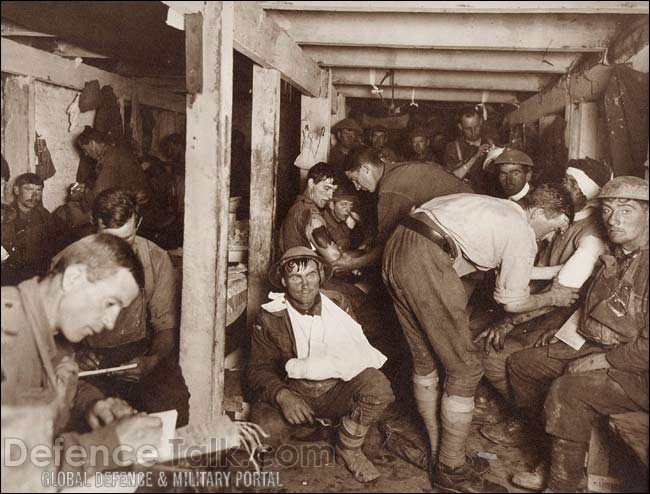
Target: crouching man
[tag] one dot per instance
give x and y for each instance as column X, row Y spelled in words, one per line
column 310, row 360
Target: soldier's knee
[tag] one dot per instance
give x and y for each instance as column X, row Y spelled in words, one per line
column 375, row 386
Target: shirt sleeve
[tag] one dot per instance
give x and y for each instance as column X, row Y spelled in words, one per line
column 581, row 264
column 163, row 306
column 265, row 371
column 512, row 284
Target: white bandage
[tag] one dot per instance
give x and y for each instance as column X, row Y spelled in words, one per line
column 588, row 187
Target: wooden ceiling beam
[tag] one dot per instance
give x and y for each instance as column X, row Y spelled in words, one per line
column 428, row 94
column 493, row 81
column 543, row 32
column 470, row 7
column 402, row 58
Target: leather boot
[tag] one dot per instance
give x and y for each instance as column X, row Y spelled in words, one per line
column 348, row 450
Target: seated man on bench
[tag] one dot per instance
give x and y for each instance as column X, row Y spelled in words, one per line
column 608, row 374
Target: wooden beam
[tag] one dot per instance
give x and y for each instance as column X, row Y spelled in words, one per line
column 65, row 49
column 465, row 95
column 259, row 38
column 468, row 60
column 265, row 143
column 493, row 81
column 23, row 60
column 588, row 86
column 543, row 32
column 205, row 243
column 315, row 116
column 475, row 7
column 12, row 29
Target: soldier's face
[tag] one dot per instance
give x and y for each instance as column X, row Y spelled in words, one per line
column 420, row 144
column 29, row 195
column 577, row 197
column 363, row 178
column 626, row 221
column 341, row 209
column 471, row 128
column 90, row 307
column 347, row 138
column 378, row 139
column 302, row 284
column 321, row 192
column 513, row 178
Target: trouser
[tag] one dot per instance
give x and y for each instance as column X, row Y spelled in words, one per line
column 162, row 389
column 522, row 337
column 572, row 406
column 532, row 371
column 574, row 402
column 365, row 397
column 431, row 304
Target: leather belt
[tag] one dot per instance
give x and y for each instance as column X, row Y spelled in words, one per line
column 434, row 233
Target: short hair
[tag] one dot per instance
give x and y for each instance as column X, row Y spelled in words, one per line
column 361, row 155
column 102, row 254
column 114, row 208
column 90, row 134
column 552, row 198
column 28, row 178
column 321, row 171
column 469, row 112
column 299, row 264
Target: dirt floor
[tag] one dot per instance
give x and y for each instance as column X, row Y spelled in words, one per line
column 396, row 474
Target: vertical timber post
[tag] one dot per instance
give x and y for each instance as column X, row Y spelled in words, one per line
column 265, row 142
column 205, row 247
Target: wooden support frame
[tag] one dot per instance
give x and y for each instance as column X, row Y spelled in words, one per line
column 456, row 60
column 24, row 60
column 205, row 259
column 428, row 94
column 588, row 86
column 265, row 143
column 542, row 32
column 259, row 38
column 315, row 116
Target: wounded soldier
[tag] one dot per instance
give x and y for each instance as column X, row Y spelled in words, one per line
column 311, row 361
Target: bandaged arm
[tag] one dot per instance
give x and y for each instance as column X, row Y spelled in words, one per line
column 577, row 270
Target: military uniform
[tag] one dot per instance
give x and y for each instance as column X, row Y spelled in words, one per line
column 31, row 240
column 154, row 310
column 459, row 151
column 39, row 374
column 407, row 185
column 293, row 229
column 273, row 344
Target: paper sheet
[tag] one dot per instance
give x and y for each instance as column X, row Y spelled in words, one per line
column 165, row 450
column 568, row 333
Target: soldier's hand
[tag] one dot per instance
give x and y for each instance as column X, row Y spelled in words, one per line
column 107, row 411
column 495, row 336
column 562, row 296
column 294, row 408
column 546, row 338
column 138, row 431
column 146, row 365
column 484, row 148
column 88, row 360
